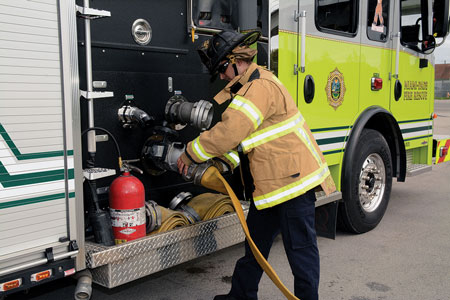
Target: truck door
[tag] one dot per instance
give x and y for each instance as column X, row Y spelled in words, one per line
column 412, row 83
column 411, row 104
column 375, row 53
column 332, row 55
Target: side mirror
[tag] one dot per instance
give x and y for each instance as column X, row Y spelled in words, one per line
column 428, row 44
column 440, row 18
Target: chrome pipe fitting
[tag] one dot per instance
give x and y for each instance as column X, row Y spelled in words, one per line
column 198, row 114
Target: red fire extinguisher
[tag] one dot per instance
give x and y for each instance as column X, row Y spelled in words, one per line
column 127, row 208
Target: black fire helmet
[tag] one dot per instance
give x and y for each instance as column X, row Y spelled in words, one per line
column 214, row 50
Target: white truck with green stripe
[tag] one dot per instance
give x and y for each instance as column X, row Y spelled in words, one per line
column 39, row 213
column 361, row 72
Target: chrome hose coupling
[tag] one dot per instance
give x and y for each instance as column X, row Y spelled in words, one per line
column 179, row 203
column 198, row 114
column 196, row 171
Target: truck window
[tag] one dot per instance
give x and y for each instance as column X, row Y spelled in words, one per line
column 411, row 23
column 337, row 16
column 378, row 20
column 216, row 14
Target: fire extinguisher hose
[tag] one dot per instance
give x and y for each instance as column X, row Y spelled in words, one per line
column 212, row 179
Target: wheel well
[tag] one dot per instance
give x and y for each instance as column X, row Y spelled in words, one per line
column 379, row 119
column 388, row 127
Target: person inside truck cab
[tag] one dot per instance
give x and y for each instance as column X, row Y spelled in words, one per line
column 280, row 162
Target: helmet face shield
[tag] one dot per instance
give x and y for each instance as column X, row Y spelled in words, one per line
column 213, row 51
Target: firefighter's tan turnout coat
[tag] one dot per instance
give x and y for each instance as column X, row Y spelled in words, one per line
column 262, row 119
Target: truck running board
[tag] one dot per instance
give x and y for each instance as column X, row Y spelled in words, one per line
column 116, row 265
column 416, row 169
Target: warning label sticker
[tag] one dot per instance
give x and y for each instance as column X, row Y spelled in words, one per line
column 127, row 217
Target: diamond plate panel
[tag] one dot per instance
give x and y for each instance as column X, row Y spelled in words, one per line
column 117, row 265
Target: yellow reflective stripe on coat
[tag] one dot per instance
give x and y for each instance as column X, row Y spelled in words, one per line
column 293, row 190
column 248, row 108
column 307, row 141
column 233, row 157
column 199, row 151
column 272, row 132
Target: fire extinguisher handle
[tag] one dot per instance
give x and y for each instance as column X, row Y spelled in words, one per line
column 132, row 168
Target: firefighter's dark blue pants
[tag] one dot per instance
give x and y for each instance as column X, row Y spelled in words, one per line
column 295, row 220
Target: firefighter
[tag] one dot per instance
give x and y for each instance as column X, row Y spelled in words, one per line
column 280, row 162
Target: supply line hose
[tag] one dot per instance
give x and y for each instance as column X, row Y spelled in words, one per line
column 170, row 219
column 213, row 179
column 209, row 205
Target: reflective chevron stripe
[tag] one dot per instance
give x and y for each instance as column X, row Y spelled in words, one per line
column 272, row 132
column 249, row 109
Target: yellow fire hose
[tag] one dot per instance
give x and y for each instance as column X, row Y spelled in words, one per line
column 209, row 205
column 212, row 179
column 170, row 219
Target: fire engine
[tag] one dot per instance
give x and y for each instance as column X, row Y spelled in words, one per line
column 98, row 100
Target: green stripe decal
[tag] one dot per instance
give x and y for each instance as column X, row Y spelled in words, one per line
column 406, row 130
column 20, row 156
column 8, row 180
column 419, row 137
column 333, row 151
column 332, row 140
column 412, row 121
column 331, row 128
column 35, row 200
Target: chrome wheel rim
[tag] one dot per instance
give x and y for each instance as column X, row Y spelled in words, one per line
column 372, row 182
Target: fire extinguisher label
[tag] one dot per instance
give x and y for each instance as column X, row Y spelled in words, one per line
column 127, row 217
column 128, row 231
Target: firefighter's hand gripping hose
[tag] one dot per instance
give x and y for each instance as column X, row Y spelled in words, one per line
column 212, row 179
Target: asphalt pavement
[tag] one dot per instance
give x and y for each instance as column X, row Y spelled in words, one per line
column 406, row 257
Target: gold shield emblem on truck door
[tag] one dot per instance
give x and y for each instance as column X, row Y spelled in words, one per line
column 335, row 88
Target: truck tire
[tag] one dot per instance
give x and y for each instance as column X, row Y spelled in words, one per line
column 367, row 190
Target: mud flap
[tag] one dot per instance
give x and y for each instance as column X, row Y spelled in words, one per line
column 326, row 216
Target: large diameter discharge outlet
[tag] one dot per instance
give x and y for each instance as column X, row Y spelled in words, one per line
column 160, row 154
column 198, row 114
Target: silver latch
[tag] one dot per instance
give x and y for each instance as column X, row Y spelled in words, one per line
column 99, row 84
column 101, row 138
column 92, row 13
column 96, row 95
column 170, row 84
column 141, row 31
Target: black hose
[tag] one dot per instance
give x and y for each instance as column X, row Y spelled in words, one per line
column 112, row 137
column 94, row 196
